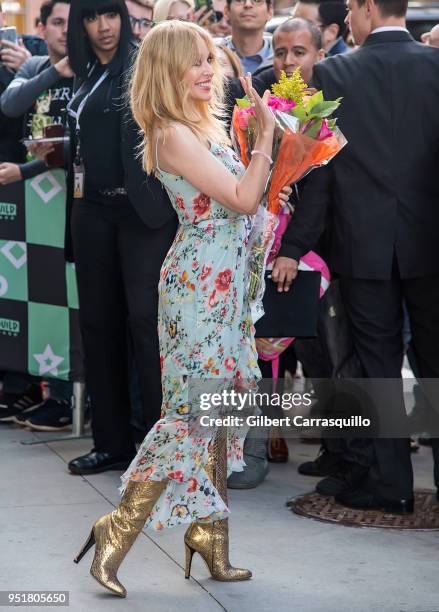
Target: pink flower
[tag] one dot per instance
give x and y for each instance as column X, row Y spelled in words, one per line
column 201, row 204
column 180, row 202
column 223, row 280
column 206, row 270
column 177, row 475
column 243, row 115
column 213, row 299
column 230, row 363
column 280, row 104
column 149, row 471
column 193, row 483
column 324, row 131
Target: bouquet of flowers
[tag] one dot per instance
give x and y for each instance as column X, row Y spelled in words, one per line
column 305, row 138
column 305, row 135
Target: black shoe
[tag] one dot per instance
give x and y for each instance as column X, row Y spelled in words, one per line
column 326, row 464
column 349, row 477
column 363, row 499
column 51, row 416
column 23, row 403
column 96, row 462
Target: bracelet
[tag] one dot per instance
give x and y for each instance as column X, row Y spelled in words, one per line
column 256, row 152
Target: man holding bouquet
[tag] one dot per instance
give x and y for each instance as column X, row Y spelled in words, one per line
column 384, row 247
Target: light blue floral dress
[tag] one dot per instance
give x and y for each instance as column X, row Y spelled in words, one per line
column 206, row 332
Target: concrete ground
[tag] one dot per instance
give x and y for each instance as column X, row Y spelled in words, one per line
column 298, row 564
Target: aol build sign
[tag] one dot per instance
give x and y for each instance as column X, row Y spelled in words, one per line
column 39, row 327
column 8, row 211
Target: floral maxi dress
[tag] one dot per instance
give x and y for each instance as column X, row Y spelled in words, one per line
column 206, row 333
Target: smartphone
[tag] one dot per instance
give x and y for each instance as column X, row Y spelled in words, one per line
column 9, row 33
column 200, row 3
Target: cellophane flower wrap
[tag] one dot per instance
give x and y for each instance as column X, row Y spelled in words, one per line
column 306, row 137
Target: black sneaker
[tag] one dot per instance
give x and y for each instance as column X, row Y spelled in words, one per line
column 51, row 416
column 20, row 419
column 16, row 404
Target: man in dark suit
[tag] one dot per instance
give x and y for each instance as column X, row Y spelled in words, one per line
column 384, row 220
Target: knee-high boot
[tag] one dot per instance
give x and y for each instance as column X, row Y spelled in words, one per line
column 211, row 540
column 115, row 533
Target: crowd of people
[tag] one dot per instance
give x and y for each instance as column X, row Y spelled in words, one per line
column 372, row 212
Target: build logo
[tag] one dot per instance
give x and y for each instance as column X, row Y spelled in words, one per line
column 8, row 212
column 9, row 327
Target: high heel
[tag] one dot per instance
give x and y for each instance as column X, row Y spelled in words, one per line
column 91, row 541
column 115, row 533
column 188, row 561
column 211, row 540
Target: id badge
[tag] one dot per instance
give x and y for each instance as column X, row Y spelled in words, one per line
column 78, row 180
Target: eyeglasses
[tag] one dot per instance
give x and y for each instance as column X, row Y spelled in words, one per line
column 143, row 24
column 254, row 2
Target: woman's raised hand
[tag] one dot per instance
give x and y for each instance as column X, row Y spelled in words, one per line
column 264, row 115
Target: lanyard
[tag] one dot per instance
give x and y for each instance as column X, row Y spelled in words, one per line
column 77, row 114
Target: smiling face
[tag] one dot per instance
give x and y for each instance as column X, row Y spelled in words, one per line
column 103, row 32
column 293, row 49
column 198, row 78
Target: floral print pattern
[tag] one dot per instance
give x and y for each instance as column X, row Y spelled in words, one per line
column 206, row 337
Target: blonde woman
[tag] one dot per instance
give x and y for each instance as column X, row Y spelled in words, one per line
column 173, row 9
column 205, row 323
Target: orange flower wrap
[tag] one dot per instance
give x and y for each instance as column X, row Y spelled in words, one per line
column 297, row 154
column 241, row 138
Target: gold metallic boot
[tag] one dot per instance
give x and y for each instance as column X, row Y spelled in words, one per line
column 114, row 533
column 211, row 540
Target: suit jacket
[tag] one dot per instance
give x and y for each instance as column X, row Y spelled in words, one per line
column 145, row 192
column 384, row 184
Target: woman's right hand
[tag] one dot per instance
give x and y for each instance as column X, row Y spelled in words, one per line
column 264, row 115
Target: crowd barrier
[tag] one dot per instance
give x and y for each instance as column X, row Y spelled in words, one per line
column 39, row 317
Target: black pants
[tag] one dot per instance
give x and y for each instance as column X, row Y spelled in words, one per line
column 118, row 261
column 375, row 312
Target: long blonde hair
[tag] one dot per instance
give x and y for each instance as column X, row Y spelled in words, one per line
column 158, row 92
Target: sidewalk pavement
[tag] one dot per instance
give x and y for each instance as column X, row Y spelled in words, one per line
column 298, row 564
